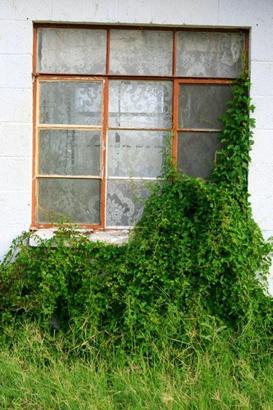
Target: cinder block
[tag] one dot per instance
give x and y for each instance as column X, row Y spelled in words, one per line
column 181, row 12
column 135, row 12
column 15, row 140
column 263, row 111
column 16, row 105
column 138, row 12
column 15, row 174
column 16, row 36
column 28, row 9
column 262, row 148
column 261, row 46
column 262, row 78
column 98, row 11
column 260, row 179
column 245, row 12
column 15, row 208
column 15, row 71
column 262, row 208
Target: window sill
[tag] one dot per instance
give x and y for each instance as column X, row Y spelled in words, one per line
column 113, row 236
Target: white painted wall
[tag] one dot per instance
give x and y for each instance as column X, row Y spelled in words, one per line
column 16, row 18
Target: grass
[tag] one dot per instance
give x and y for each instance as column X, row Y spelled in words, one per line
column 34, row 376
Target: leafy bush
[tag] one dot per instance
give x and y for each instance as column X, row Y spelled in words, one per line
column 188, row 273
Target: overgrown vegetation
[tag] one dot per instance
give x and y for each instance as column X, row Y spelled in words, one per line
column 33, row 376
column 182, row 297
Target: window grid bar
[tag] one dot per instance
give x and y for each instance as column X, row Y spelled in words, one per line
column 174, row 55
column 175, row 121
column 34, row 128
column 37, row 142
column 56, row 77
column 138, row 129
column 136, row 178
column 199, row 130
column 119, row 228
column 75, row 77
column 104, row 148
column 107, row 52
column 87, row 227
column 57, row 176
column 138, row 27
column 69, row 127
column 209, row 80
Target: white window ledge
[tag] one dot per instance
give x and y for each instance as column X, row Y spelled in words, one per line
column 114, row 237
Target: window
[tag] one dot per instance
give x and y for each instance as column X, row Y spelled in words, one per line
column 107, row 102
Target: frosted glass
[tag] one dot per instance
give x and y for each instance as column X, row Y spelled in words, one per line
column 71, row 102
column 136, row 153
column 200, row 106
column 71, row 51
column 196, row 153
column 67, row 152
column 141, row 52
column 146, row 104
column 125, row 201
column 209, row 54
column 69, row 200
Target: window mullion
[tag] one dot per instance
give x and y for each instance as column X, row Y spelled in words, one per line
column 104, row 148
column 174, row 54
column 175, row 119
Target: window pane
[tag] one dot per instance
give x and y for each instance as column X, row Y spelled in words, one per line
column 136, row 153
column 209, row 54
column 69, row 200
column 125, row 201
column 146, row 104
column 141, row 52
column 196, row 153
column 71, row 51
column 68, row 102
column 200, row 106
column 67, row 152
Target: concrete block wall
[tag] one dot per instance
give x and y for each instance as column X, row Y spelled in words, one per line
column 16, row 19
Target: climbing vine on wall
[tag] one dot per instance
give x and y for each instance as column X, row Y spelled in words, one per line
column 231, row 170
column 190, row 266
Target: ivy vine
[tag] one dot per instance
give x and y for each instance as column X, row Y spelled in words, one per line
column 190, row 266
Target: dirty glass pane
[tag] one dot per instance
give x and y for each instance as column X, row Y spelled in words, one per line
column 209, row 54
column 141, row 52
column 136, row 153
column 200, row 106
column 68, row 152
column 69, row 200
column 196, row 153
column 146, row 104
column 71, row 51
column 125, row 201
column 71, row 102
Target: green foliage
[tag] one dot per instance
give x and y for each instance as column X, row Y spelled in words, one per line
column 233, row 160
column 188, row 273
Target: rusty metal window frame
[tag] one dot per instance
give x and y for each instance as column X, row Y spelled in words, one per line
column 177, row 81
